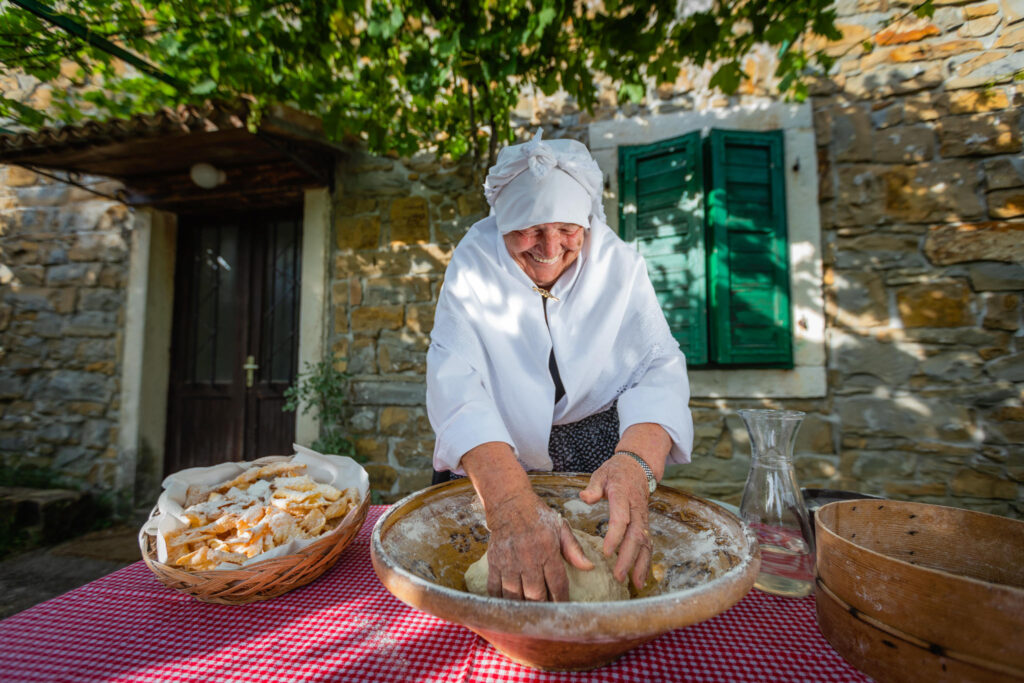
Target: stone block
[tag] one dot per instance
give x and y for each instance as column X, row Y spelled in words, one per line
column 415, row 480
column 878, row 250
column 932, row 192
column 996, row 277
column 975, row 101
column 86, row 408
column 101, row 299
column 99, row 246
column 18, row 176
column 71, row 385
column 983, row 241
column 382, row 477
column 373, row 319
column 362, row 420
column 396, row 290
column 82, row 274
column 979, row 134
column 983, row 69
column 429, row 259
column 953, row 366
column 402, row 421
column 55, row 432
column 92, row 324
column 914, row 489
column 358, row 232
column 941, row 304
column 98, row 434
column 894, row 79
column 414, row 453
column 113, row 276
column 386, row 391
column 472, row 204
column 1002, row 312
column 394, row 356
column 892, row 363
column 904, row 144
column 339, row 352
column 973, row 484
column 1011, row 37
column 883, row 466
column 861, row 298
column 901, row 417
column 1008, row 368
column 372, row 448
column 922, row 52
column 978, row 27
column 32, row 276
column 1004, row 172
column 815, row 436
column 55, row 194
column 419, row 318
column 351, row 205
column 851, row 133
column 340, row 319
column 362, row 357
column 922, row 107
column 410, row 221
column 390, row 183
column 1006, row 203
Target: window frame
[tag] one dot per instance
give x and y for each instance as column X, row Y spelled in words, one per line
column 807, row 377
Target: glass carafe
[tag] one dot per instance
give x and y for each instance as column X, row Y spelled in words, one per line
column 774, row 507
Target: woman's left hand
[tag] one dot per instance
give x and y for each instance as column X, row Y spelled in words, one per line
column 623, row 482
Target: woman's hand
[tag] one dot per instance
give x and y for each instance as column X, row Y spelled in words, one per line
column 528, row 539
column 528, row 542
column 623, row 482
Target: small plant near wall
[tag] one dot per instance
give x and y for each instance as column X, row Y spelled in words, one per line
column 322, row 387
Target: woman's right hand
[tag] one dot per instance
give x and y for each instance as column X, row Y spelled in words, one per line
column 528, row 542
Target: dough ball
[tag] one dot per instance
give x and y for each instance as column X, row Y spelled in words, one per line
column 595, row 585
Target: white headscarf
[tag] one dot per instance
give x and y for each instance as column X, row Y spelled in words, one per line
column 487, row 366
column 559, row 176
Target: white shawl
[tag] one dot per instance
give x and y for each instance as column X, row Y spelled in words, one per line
column 487, row 366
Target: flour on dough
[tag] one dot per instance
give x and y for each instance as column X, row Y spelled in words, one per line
column 595, row 585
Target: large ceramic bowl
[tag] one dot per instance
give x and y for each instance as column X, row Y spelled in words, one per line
column 705, row 557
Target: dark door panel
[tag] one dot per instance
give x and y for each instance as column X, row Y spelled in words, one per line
column 235, row 337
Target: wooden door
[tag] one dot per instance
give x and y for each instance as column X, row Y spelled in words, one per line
column 235, row 338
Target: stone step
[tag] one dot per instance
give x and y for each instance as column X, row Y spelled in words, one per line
column 44, row 516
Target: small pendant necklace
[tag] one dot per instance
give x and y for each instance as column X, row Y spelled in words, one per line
column 545, row 293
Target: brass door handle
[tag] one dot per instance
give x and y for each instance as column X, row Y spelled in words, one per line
column 250, row 367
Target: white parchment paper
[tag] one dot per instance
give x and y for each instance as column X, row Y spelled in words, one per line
column 339, row 471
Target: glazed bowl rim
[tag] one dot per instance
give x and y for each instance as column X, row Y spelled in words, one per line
column 656, row 609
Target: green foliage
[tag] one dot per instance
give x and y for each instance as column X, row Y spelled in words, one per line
column 401, row 74
column 322, row 387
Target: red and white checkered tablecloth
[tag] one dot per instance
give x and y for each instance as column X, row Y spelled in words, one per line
column 346, row 627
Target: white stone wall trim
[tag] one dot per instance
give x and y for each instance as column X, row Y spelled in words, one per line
column 807, row 378
column 316, row 249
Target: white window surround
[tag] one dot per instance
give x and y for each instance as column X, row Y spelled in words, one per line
column 807, row 378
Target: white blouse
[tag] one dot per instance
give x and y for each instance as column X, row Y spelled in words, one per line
column 488, row 377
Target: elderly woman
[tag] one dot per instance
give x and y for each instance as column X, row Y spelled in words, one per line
column 550, row 352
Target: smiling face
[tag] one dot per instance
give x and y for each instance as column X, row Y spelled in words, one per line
column 545, row 251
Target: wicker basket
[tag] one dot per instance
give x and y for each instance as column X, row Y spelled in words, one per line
column 260, row 580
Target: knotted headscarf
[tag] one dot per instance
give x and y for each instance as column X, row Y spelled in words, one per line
column 544, row 181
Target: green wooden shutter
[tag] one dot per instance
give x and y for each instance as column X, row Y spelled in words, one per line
column 748, row 264
column 661, row 212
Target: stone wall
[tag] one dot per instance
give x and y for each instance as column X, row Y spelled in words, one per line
column 63, row 267
column 921, row 182
column 397, row 222
column 921, row 185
